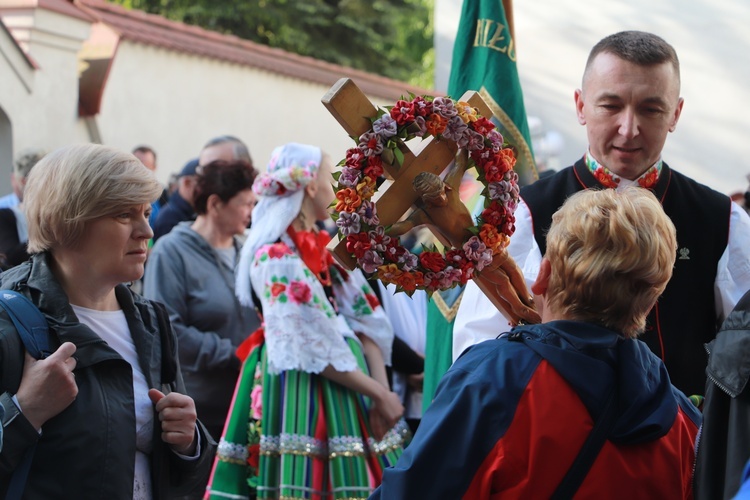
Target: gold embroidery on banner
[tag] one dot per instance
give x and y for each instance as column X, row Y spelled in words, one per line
column 449, row 313
column 523, row 152
column 497, row 41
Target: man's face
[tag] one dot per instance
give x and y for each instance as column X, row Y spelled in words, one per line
column 147, row 158
column 223, row 151
column 628, row 110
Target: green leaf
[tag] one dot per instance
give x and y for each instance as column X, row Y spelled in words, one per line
column 399, row 156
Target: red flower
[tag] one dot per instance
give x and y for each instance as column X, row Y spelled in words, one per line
column 421, row 106
column 493, row 170
column 355, row 158
column 494, row 214
column 278, row 250
column 432, row 261
column 456, row 258
column 403, row 112
column 481, row 156
column 394, row 250
column 482, row 125
column 299, row 292
column 374, row 168
column 358, row 244
column 253, row 457
column 372, row 300
column 277, row 288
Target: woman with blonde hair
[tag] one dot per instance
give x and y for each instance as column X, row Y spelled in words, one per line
column 574, row 407
column 322, row 421
column 105, row 415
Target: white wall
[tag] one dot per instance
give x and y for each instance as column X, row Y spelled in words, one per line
column 42, row 105
column 553, row 39
column 176, row 102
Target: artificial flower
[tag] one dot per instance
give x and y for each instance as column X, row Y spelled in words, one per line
column 366, row 188
column 435, row 124
column 348, row 223
column 403, row 112
column 433, row 261
column 370, row 144
column 358, row 244
column 349, row 200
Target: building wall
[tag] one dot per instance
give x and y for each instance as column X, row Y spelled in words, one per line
column 176, row 102
column 41, row 105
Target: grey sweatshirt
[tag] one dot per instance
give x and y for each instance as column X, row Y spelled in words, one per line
column 190, row 278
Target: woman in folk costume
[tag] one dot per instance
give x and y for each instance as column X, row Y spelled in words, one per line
column 312, row 416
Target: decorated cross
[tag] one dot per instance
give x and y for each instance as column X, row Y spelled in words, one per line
column 355, row 113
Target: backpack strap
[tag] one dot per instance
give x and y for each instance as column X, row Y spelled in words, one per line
column 29, row 322
column 32, row 328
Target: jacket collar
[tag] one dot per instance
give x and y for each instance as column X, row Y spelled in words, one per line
column 36, row 280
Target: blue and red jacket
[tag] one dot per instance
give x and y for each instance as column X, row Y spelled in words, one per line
column 510, row 416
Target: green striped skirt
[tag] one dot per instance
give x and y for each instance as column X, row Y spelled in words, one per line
column 300, row 435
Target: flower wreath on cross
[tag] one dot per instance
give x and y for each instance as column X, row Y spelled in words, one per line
column 382, row 256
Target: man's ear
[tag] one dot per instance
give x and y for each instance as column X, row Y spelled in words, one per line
column 542, row 280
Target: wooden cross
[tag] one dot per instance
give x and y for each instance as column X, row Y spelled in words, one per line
column 354, row 111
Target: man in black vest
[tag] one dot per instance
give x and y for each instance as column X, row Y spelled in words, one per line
column 629, row 102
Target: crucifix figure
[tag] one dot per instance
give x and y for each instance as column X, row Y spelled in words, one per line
column 417, row 182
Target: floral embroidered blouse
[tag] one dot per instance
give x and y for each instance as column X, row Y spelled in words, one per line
column 303, row 329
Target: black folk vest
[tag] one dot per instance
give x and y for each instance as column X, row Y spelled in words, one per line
column 685, row 317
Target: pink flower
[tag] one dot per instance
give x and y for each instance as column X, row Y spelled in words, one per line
column 256, row 402
column 299, row 292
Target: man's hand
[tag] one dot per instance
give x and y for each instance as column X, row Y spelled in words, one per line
column 177, row 415
column 48, row 386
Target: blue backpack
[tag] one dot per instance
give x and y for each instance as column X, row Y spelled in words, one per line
column 32, row 328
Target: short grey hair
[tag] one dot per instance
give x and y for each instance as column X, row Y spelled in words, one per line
column 239, row 148
column 76, row 184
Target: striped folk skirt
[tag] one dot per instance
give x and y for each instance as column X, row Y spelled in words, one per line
column 300, row 435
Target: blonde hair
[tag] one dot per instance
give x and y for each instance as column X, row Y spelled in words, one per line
column 76, row 184
column 611, row 254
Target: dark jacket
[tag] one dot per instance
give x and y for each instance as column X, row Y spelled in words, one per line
column 724, row 444
column 11, row 247
column 171, row 214
column 88, row 450
column 511, row 414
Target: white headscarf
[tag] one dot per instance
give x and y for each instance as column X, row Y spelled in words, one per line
column 280, row 191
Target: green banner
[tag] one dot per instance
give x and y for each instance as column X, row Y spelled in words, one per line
column 484, row 60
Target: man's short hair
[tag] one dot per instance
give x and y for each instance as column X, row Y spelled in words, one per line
column 611, row 254
column 79, row 183
column 144, row 149
column 637, row 47
column 26, row 160
column 240, row 149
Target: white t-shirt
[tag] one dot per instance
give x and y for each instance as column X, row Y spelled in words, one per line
column 112, row 327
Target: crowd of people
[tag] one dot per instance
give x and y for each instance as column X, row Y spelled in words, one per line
column 205, row 344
